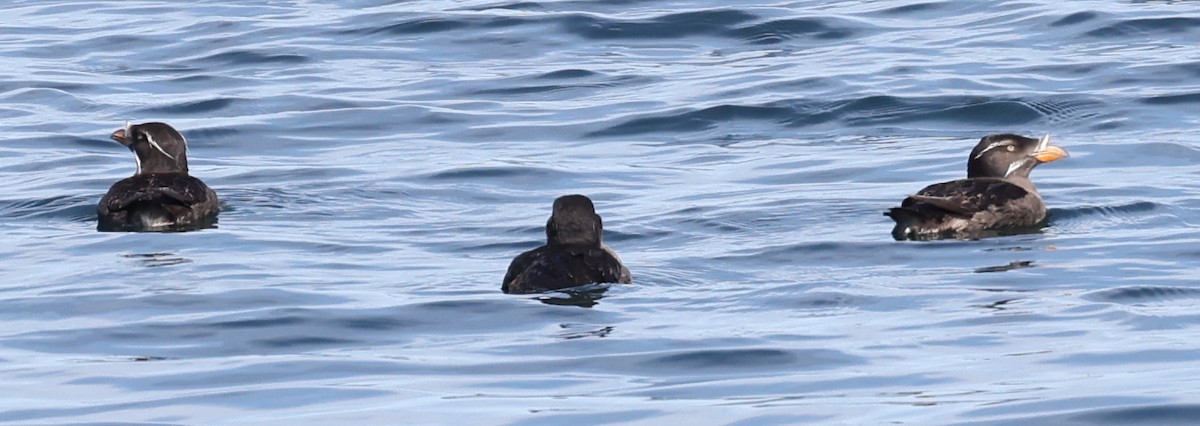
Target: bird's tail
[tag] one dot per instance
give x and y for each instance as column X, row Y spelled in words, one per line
column 906, row 220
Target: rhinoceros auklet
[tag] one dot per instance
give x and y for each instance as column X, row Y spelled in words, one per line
column 160, row 196
column 573, row 254
column 996, row 195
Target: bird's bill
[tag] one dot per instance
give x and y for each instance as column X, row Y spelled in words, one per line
column 122, row 135
column 1046, row 153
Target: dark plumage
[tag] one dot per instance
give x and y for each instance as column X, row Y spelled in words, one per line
column 996, row 195
column 160, row 196
column 573, row 254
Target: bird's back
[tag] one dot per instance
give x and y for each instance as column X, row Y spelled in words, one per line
column 157, row 201
column 553, row 267
column 966, row 207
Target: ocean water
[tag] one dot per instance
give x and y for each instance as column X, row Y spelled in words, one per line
column 380, row 163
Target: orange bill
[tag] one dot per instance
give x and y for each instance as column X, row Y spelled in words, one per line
column 1050, row 153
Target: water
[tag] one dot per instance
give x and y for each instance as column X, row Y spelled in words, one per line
column 380, row 164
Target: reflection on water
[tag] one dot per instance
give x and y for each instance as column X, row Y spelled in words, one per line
column 1018, row 264
column 152, row 260
column 585, row 296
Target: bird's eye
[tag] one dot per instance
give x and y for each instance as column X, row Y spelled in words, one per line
column 1011, row 148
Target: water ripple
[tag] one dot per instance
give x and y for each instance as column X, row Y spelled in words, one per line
column 1147, row 26
column 380, row 163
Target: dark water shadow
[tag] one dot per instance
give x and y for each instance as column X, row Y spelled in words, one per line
column 584, row 296
column 1019, row 264
column 1143, row 294
column 1126, row 28
column 1092, row 411
column 156, row 260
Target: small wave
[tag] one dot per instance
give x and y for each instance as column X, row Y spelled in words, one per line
column 1122, row 210
column 421, row 26
column 525, row 5
column 20, row 86
column 1138, row 411
column 191, row 107
column 247, row 202
column 275, row 175
column 491, row 173
column 430, row 25
column 667, row 124
column 987, row 112
column 1188, row 98
column 568, row 73
column 914, row 8
column 194, row 79
column 715, row 225
column 724, row 359
column 692, row 121
column 304, row 342
column 1075, row 18
column 717, row 23
column 1143, row 293
column 63, row 97
column 867, row 111
column 1067, row 110
column 1146, row 26
column 875, row 110
column 526, row 90
column 723, row 23
column 250, row 57
column 672, row 26
column 818, row 300
column 720, row 361
column 1164, row 414
column 617, row 236
column 155, row 70
column 76, row 208
column 516, row 246
column 373, row 323
column 124, row 42
column 820, row 251
column 277, row 321
column 778, row 31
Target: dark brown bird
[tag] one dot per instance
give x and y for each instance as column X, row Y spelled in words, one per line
column 160, row 196
column 996, row 195
column 573, row 254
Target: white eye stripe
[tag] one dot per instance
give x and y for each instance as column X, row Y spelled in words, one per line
column 989, row 148
column 994, row 145
column 156, row 146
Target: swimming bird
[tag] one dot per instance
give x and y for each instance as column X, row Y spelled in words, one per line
column 160, row 196
column 996, row 195
column 573, row 254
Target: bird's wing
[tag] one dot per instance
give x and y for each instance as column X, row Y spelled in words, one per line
column 967, row 196
column 167, row 189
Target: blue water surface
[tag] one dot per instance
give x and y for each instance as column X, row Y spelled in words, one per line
column 380, row 163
